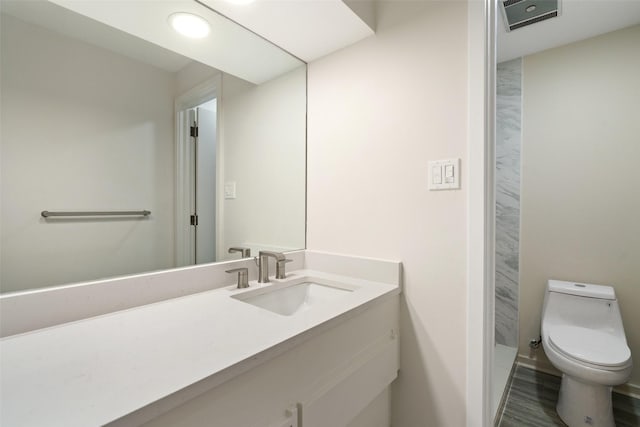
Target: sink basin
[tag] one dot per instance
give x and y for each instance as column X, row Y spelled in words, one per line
column 295, row 298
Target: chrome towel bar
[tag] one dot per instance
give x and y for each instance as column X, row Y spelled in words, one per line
column 47, row 214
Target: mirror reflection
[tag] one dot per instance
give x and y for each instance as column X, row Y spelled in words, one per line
column 97, row 122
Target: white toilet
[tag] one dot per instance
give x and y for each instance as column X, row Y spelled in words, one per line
column 583, row 337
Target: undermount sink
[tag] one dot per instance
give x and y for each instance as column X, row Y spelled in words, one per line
column 293, row 299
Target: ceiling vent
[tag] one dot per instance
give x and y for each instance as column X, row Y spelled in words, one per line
column 520, row 13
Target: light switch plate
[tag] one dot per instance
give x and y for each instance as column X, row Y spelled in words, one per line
column 230, row 190
column 444, row 174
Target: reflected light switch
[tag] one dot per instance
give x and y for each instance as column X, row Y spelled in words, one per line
column 230, row 190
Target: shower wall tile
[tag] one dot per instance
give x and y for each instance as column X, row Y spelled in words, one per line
column 509, row 78
column 508, row 144
column 508, row 155
column 507, row 272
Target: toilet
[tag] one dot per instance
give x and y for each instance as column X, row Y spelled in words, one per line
column 583, row 337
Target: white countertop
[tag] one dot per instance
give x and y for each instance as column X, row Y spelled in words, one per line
column 96, row 370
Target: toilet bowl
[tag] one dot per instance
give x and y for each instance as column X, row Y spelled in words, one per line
column 583, row 337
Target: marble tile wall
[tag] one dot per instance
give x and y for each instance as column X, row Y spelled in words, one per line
column 508, row 143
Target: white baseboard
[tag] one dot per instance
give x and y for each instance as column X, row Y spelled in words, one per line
column 545, row 366
column 538, row 364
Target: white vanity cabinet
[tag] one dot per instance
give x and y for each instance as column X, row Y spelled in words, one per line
column 327, row 380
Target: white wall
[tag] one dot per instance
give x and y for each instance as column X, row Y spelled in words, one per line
column 70, row 113
column 378, row 112
column 262, row 142
column 580, row 177
column 193, row 74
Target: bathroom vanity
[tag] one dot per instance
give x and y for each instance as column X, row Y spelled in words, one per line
column 312, row 349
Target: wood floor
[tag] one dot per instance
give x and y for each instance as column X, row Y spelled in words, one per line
column 532, row 398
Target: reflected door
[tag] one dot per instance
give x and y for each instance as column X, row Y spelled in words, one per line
column 203, row 217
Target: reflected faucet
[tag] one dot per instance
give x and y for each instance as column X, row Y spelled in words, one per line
column 263, row 264
column 246, row 252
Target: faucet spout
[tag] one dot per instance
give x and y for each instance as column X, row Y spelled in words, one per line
column 263, row 264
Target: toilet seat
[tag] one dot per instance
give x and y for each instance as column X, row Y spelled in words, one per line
column 590, row 346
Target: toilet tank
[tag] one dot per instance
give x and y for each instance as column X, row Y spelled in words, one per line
column 581, row 304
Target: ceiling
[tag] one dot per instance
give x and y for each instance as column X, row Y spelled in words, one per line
column 228, row 47
column 64, row 21
column 308, row 29
column 140, row 29
column 578, row 20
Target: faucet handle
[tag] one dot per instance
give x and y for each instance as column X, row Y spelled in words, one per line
column 245, row 252
column 280, row 268
column 243, row 276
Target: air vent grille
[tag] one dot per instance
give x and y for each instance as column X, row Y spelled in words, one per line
column 508, row 3
column 534, row 20
column 520, row 13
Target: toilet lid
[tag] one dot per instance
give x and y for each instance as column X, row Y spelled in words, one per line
column 587, row 345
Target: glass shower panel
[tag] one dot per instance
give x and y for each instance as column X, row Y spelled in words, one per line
column 508, row 145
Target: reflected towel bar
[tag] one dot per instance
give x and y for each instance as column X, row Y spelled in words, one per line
column 47, row 214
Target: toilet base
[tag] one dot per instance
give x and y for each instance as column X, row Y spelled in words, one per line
column 582, row 405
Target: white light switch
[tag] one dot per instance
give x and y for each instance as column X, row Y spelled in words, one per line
column 444, row 174
column 448, row 170
column 436, row 174
column 230, row 190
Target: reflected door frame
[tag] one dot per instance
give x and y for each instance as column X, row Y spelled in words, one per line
column 184, row 234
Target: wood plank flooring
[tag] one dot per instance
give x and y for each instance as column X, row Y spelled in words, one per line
column 532, row 398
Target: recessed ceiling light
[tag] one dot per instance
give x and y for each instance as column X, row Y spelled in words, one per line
column 189, row 25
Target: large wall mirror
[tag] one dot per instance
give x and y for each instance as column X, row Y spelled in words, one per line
column 106, row 113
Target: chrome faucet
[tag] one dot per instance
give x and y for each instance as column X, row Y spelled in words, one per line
column 263, row 264
column 245, row 252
